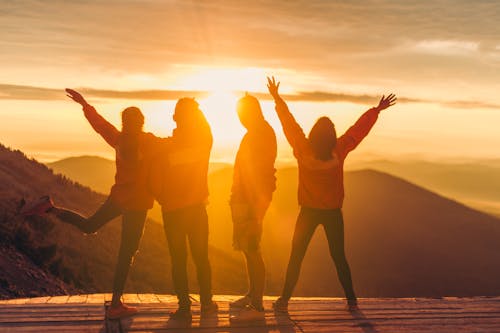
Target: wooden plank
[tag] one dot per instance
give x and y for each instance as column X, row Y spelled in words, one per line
column 148, row 298
column 58, row 299
column 77, row 299
column 166, row 298
column 38, row 300
column 95, row 299
column 131, row 299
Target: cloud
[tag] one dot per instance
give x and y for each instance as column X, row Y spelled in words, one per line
column 19, row 92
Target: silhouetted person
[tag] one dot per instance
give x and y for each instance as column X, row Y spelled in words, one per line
column 253, row 185
column 179, row 183
column 129, row 195
column 320, row 158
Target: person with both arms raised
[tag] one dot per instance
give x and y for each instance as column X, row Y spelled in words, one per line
column 320, row 158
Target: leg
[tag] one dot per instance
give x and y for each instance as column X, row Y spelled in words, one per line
column 176, row 239
column 104, row 214
column 256, row 276
column 334, row 229
column 304, row 229
column 198, row 242
column 132, row 230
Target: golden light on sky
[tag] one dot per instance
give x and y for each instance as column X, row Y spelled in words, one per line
column 333, row 58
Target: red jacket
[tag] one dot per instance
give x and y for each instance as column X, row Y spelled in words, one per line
column 130, row 189
column 321, row 183
column 253, row 178
column 178, row 177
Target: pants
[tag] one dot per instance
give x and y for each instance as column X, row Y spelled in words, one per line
column 307, row 222
column 132, row 230
column 190, row 223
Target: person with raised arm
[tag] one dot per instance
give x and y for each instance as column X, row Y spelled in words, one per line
column 254, row 182
column 320, row 157
column 129, row 196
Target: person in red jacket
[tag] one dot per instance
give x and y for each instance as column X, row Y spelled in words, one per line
column 179, row 183
column 253, row 185
column 320, row 158
column 129, row 195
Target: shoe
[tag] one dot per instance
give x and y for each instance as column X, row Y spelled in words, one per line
column 248, row 314
column 210, row 308
column 120, row 311
column 281, row 305
column 241, row 302
column 352, row 305
column 37, row 207
column 182, row 315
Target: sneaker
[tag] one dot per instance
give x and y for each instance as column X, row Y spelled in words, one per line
column 181, row 314
column 241, row 302
column 281, row 305
column 120, row 311
column 247, row 314
column 352, row 305
column 210, row 308
column 37, row 207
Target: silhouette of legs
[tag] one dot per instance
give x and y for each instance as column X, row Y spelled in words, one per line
column 198, row 243
column 176, row 238
column 334, row 229
column 304, row 229
column 189, row 223
column 132, row 230
column 103, row 215
column 256, row 277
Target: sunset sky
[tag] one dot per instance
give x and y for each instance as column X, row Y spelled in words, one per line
column 441, row 58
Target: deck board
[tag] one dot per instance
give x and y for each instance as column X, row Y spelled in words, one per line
column 86, row 313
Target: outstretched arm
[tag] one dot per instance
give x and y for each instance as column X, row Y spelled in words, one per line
column 356, row 133
column 98, row 123
column 293, row 132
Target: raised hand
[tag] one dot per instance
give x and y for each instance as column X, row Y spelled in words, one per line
column 386, row 102
column 273, row 87
column 76, row 96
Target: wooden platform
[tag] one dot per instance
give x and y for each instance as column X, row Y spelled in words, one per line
column 85, row 313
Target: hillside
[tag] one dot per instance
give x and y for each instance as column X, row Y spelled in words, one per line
column 61, row 256
column 402, row 240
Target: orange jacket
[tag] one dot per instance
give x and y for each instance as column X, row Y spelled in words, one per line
column 253, row 178
column 178, row 177
column 321, row 183
column 130, row 188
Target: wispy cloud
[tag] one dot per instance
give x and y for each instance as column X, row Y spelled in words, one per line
column 19, row 92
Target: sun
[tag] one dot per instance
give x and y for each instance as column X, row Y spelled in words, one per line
column 224, row 87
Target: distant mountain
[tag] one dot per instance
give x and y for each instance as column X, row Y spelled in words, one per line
column 93, row 171
column 475, row 184
column 402, row 240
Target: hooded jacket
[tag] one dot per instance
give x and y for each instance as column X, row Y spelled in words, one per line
column 321, row 183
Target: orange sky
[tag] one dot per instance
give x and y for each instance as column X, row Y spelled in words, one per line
column 442, row 60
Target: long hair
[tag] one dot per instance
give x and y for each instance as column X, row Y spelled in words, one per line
column 323, row 138
column 132, row 123
column 249, row 111
column 190, row 120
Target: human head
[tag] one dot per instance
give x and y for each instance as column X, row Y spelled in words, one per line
column 185, row 110
column 323, row 138
column 132, row 120
column 249, row 111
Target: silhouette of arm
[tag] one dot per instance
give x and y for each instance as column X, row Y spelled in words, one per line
column 99, row 124
column 293, row 132
column 357, row 132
